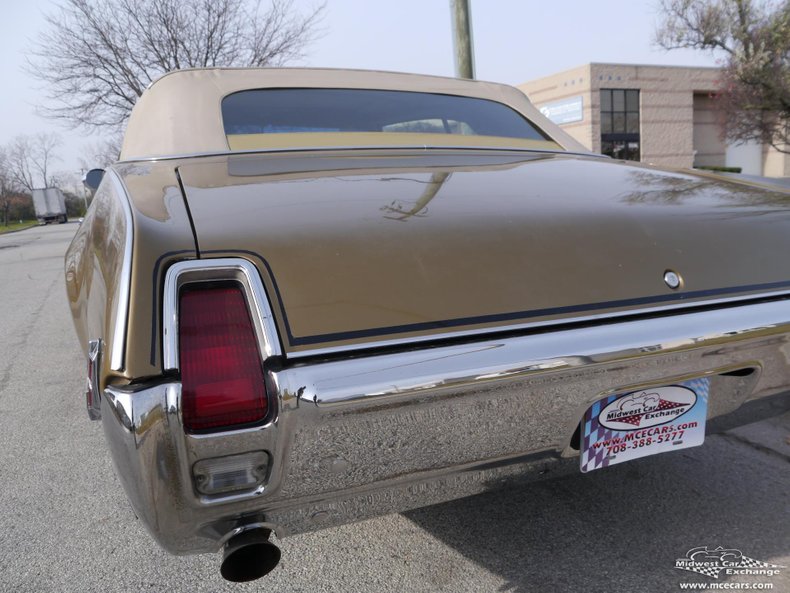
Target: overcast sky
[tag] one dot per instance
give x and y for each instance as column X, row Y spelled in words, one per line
column 514, row 41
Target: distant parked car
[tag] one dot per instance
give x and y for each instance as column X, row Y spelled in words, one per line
column 309, row 297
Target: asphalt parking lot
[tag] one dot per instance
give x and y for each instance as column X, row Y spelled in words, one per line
column 65, row 524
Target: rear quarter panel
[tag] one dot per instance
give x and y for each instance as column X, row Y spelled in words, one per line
column 94, row 267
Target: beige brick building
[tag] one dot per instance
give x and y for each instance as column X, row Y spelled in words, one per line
column 658, row 114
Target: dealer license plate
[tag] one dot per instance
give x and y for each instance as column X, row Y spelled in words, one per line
column 639, row 423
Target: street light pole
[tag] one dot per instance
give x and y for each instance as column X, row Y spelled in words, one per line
column 84, row 189
column 462, row 39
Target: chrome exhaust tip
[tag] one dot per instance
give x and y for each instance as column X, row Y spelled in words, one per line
column 249, row 556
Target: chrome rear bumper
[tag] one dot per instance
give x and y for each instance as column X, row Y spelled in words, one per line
column 368, row 435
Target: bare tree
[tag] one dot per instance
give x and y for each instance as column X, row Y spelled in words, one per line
column 6, row 187
column 98, row 56
column 753, row 37
column 103, row 153
column 29, row 159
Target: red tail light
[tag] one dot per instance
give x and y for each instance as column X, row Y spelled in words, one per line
column 222, row 382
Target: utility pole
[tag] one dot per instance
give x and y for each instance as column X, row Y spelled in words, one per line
column 462, row 39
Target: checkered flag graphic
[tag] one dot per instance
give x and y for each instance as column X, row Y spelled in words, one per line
column 747, row 562
column 708, row 571
column 593, row 432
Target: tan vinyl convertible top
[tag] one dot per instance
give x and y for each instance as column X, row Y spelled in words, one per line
column 180, row 113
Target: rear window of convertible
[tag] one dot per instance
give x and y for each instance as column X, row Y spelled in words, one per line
column 332, row 111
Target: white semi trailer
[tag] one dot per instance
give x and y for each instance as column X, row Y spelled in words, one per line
column 50, row 205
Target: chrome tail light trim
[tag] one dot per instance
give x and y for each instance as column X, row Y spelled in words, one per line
column 208, row 270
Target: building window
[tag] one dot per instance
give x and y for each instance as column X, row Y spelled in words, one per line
column 620, row 123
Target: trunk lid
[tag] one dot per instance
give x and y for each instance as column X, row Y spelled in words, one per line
column 362, row 248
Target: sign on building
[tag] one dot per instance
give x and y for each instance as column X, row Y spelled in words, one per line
column 565, row 111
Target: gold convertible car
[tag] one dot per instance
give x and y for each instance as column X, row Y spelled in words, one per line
column 309, row 297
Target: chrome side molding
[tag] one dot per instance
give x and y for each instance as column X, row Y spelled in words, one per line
column 121, row 321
